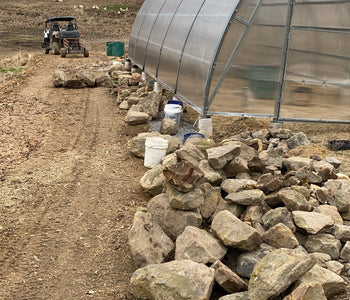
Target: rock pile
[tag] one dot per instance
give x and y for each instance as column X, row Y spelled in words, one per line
column 243, row 216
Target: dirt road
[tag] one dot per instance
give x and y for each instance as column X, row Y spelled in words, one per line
column 66, row 208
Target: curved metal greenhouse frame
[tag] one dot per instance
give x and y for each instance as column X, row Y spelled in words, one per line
column 284, row 59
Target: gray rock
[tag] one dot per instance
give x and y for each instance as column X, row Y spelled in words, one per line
column 248, row 197
column 296, row 163
column 211, row 199
column 88, row 78
column 228, row 279
column 172, row 221
column 313, row 177
column 332, row 284
column 298, row 139
column 236, row 296
column 312, row 222
column 148, row 243
column 335, row 266
column 324, row 243
column 137, row 144
column 234, row 209
column 253, row 214
column 345, row 252
column 342, row 200
column 149, row 105
column 313, row 291
column 124, row 105
column 153, row 180
column 134, row 130
column 324, row 195
column 336, row 185
column 198, row 245
column 278, row 215
column 169, row 126
column 133, row 100
column 270, row 183
column 237, row 185
column 273, row 200
column 218, row 157
column 184, row 201
column 333, row 161
column 136, row 117
column 342, row 232
column 276, row 272
column 270, row 158
column 190, row 153
column 235, row 233
column 59, row 78
column 211, row 175
column 236, row 166
column 280, row 236
column 330, row 211
column 321, row 258
column 317, row 165
column 176, row 280
column 247, row 261
column 293, row 200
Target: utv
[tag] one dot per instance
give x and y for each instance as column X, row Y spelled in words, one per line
column 61, row 35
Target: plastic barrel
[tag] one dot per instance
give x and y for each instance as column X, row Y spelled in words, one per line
column 155, row 150
column 115, row 48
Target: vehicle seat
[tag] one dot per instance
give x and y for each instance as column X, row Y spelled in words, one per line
column 55, row 27
column 70, row 27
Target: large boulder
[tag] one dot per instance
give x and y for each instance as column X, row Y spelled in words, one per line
column 176, row 280
column 312, row 222
column 172, row 221
column 148, row 243
column 332, row 283
column 235, row 233
column 276, row 272
column 198, row 245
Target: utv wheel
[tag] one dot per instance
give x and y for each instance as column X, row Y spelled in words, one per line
column 86, row 52
column 55, row 48
column 63, row 52
column 46, row 51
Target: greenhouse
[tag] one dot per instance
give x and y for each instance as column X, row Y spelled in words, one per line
column 288, row 60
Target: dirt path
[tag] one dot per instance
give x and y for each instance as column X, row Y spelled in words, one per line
column 66, row 211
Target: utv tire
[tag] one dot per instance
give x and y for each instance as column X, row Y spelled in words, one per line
column 63, row 52
column 46, row 51
column 86, row 52
column 55, row 48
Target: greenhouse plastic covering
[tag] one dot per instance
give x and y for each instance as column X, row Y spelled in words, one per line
column 284, row 59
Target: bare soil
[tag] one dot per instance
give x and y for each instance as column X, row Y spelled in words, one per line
column 68, row 185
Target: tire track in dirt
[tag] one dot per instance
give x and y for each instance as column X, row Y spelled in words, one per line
column 69, row 233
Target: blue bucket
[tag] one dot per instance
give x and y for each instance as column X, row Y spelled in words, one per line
column 178, row 102
column 193, row 135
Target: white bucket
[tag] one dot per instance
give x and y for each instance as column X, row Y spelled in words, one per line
column 155, row 150
column 205, row 126
column 173, row 111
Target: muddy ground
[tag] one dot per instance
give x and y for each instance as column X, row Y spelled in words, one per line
column 68, row 185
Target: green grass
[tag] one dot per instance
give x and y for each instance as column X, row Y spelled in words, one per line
column 117, row 7
column 11, row 70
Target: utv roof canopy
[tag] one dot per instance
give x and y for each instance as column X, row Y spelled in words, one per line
column 60, row 19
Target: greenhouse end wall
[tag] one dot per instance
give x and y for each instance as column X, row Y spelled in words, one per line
column 283, row 59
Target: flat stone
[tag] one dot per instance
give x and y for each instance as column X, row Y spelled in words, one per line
column 218, row 157
column 333, row 161
column 341, row 232
column 235, row 233
column 270, row 183
column 312, row 222
column 294, row 200
column 211, row 199
column 332, row 283
column 233, row 208
column 324, row 243
column 184, row 201
column 153, row 180
column 236, row 166
column 176, row 280
column 211, row 175
column 148, row 243
column 280, row 236
column 276, row 272
column 237, row 185
column 198, row 245
column 248, row 197
column 345, row 252
column 313, row 291
column 278, row 215
column 330, row 211
column 136, row 117
column 190, row 153
column 342, row 200
column 228, row 279
column 335, row 266
column 321, row 258
column 296, row 163
column 172, row 221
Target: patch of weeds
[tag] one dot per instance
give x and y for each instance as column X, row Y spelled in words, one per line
column 121, row 7
column 11, row 70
